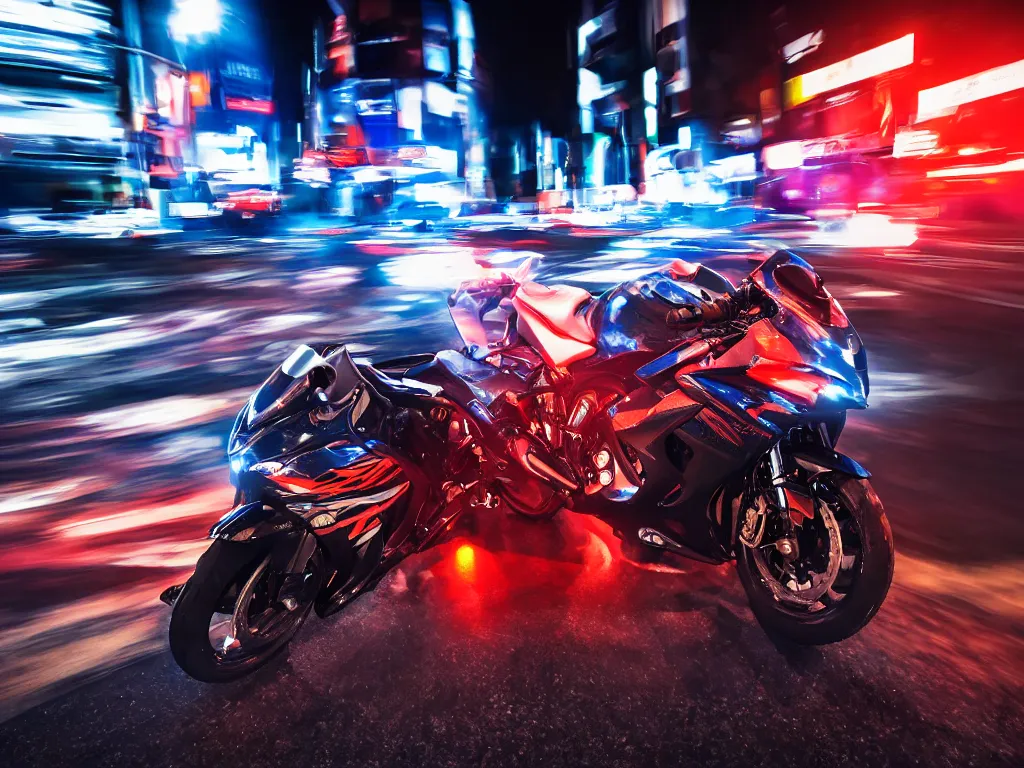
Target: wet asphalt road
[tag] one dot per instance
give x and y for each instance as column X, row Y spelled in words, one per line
column 122, row 366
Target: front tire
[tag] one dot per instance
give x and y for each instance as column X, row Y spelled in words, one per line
column 859, row 591
column 228, row 573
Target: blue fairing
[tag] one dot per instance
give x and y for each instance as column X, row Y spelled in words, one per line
column 831, row 349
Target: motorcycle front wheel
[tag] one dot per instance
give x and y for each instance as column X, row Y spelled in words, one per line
column 841, row 577
column 227, row 622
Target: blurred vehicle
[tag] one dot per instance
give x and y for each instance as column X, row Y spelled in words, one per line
column 672, row 175
column 693, row 416
column 250, row 203
column 341, row 180
column 827, row 184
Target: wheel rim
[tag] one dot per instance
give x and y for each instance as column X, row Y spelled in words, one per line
column 258, row 621
column 818, row 581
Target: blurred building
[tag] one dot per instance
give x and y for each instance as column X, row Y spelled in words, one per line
column 104, row 102
column 614, row 48
column 230, row 80
column 660, row 101
column 61, row 132
column 204, row 121
column 394, row 101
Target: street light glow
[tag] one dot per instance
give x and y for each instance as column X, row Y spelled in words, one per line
column 195, row 18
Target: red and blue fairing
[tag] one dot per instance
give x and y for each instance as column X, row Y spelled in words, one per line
column 807, row 363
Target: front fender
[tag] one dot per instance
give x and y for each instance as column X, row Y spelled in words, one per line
column 821, row 459
column 255, row 521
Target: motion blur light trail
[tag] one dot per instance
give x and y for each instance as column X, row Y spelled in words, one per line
column 120, row 373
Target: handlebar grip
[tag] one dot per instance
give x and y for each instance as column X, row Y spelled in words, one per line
column 701, row 314
column 730, row 307
column 684, row 318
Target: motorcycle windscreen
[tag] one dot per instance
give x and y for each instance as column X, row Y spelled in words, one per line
column 286, row 388
column 811, row 330
column 480, row 318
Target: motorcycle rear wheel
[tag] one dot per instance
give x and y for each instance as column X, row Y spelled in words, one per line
column 230, row 582
column 856, row 594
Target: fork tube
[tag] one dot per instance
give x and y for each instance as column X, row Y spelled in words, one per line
column 778, row 476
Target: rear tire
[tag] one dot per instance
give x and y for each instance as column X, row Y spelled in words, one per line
column 224, row 567
column 864, row 596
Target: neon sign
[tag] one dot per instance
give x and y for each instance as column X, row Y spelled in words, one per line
column 944, row 99
column 261, row 106
column 872, row 63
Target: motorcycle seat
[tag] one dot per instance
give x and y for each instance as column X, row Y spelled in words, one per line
column 560, row 307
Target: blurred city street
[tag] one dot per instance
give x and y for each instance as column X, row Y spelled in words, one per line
column 123, row 363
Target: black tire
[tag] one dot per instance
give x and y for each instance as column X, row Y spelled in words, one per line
column 865, row 595
column 224, row 566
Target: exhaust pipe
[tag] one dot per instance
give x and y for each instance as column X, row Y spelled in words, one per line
column 658, row 540
column 521, row 449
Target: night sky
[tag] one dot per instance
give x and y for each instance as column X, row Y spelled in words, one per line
column 524, row 46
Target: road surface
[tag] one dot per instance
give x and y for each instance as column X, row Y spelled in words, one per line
column 123, row 364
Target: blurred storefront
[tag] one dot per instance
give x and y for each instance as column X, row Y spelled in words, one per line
column 962, row 152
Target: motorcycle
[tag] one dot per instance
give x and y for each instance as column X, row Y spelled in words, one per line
column 694, row 416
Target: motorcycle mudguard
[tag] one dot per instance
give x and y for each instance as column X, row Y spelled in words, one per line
column 823, row 459
column 254, row 521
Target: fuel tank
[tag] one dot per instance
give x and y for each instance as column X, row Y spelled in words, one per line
column 631, row 317
column 322, row 461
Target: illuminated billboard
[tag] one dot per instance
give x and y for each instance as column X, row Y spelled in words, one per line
column 944, row 99
column 872, row 63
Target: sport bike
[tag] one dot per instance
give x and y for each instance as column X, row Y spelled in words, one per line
column 692, row 415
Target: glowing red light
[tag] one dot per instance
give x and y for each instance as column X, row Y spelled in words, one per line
column 249, row 105
column 465, row 560
column 799, row 384
column 347, row 157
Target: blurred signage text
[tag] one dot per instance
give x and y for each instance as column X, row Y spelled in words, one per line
column 944, row 99
column 872, row 63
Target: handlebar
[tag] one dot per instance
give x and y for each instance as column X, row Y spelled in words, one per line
column 749, row 301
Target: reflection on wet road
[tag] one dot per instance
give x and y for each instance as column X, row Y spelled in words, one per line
column 122, row 366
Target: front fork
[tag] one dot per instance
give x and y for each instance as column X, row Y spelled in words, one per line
column 292, row 567
column 289, row 562
column 778, row 479
column 787, row 543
